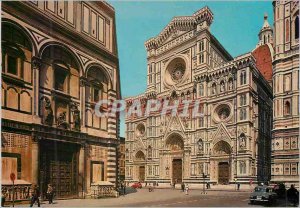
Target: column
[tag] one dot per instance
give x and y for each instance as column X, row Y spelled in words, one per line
column 81, row 176
column 36, row 65
column 34, row 162
column 82, row 101
column 112, row 125
column 111, row 164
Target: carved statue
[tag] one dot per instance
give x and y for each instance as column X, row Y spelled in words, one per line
column 214, row 89
column 242, row 141
column 222, row 87
column 76, row 118
column 48, row 112
column 62, row 120
column 200, row 145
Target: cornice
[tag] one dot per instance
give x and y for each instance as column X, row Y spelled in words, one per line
column 182, row 23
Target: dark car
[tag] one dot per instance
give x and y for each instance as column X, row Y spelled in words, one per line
column 137, row 185
column 263, row 194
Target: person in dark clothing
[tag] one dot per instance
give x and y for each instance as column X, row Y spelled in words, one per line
column 293, row 195
column 35, row 196
column 50, row 194
column 182, row 187
column 238, row 186
column 124, row 189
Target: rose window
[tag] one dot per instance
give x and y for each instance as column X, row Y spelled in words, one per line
column 178, row 72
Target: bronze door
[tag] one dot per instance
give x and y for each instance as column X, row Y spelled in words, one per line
column 142, row 173
column 59, row 168
column 177, row 170
column 223, row 173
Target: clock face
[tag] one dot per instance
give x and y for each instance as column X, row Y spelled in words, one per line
column 178, row 72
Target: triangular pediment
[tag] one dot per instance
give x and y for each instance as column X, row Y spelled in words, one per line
column 221, row 134
column 175, row 28
column 140, row 144
column 174, row 124
column 173, row 35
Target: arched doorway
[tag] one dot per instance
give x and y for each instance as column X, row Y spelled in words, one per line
column 140, row 158
column 222, row 152
column 176, row 145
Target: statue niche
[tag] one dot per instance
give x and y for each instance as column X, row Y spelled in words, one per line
column 47, row 111
column 62, row 120
column 200, row 146
column 76, row 117
column 242, row 141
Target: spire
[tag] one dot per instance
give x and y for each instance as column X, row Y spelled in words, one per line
column 266, row 23
column 266, row 32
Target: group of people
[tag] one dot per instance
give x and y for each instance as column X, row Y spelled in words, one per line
column 185, row 188
column 36, row 194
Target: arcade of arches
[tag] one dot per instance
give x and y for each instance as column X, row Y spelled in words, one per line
column 176, row 160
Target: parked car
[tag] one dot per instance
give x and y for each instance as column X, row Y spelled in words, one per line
column 137, row 185
column 263, row 194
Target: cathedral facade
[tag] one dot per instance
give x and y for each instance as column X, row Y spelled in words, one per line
column 285, row 140
column 232, row 140
column 59, row 58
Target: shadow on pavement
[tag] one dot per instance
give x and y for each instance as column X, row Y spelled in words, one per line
column 129, row 190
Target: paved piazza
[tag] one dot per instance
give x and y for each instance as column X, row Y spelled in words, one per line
column 165, row 198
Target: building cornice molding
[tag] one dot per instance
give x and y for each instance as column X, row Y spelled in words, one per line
column 181, row 23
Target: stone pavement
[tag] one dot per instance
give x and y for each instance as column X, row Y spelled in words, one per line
column 142, row 197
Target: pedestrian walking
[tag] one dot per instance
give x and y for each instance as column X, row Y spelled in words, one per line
column 251, row 182
column 35, row 196
column 50, row 194
column 3, row 197
column 238, row 186
column 124, row 189
column 182, row 187
column 187, row 189
column 293, row 195
column 207, row 185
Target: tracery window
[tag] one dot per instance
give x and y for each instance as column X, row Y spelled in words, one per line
column 243, row 99
column 243, row 114
column 243, row 78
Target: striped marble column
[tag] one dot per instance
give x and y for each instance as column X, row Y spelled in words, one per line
column 112, row 120
column 112, row 164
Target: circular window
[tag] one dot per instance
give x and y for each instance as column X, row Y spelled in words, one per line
column 140, row 129
column 178, row 72
column 175, row 72
column 222, row 112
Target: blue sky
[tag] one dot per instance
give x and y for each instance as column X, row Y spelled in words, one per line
column 236, row 25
